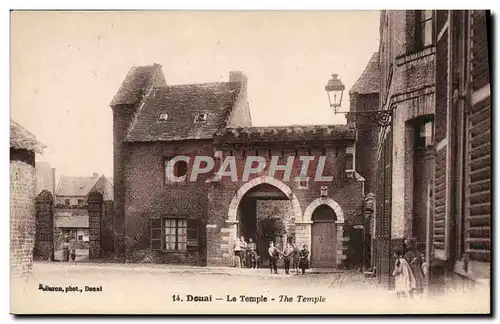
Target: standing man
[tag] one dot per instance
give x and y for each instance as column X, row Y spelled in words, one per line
column 243, row 246
column 274, row 255
column 237, row 253
column 252, row 253
column 287, row 255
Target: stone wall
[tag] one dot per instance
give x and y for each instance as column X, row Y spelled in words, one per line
column 22, row 218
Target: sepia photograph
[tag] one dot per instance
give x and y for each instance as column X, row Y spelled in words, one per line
column 247, row 162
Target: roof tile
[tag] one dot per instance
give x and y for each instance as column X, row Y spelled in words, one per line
column 369, row 81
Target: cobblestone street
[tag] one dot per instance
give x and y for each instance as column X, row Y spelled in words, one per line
column 146, row 289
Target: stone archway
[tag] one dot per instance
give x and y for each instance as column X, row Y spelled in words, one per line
column 232, row 216
column 324, row 201
column 307, row 222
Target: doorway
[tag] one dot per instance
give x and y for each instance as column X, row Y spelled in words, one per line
column 323, row 237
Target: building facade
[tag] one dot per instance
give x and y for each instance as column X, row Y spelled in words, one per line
column 434, row 161
column 45, row 178
column 23, row 147
column 73, row 192
column 197, row 222
column 460, row 231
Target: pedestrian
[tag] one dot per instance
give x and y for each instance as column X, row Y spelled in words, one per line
column 404, row 279
column 237, row 254
column 65, row 249
column 252, row 253
column 425, row 269
column 296, row 257
column 304, row 258
column 413, row 257
column 287, row 256
column 274, row 255
column 243, row 248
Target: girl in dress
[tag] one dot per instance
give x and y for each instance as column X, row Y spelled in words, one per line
column 404, row 278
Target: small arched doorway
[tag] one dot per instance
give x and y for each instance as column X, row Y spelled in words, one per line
column 323, row 237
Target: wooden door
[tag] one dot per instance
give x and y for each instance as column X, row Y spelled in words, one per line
column 323, row 250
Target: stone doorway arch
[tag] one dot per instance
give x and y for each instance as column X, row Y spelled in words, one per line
column 307, row 224
column 232, row 216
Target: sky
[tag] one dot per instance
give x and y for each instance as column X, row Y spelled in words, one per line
column 67, row 66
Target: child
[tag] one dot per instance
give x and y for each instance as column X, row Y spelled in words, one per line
column 304, row 259
column 405, row 280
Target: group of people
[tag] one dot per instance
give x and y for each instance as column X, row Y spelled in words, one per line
column 246, row 253
column 410, row 270
column 247, row 256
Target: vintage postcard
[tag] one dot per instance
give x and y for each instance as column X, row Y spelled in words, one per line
column 250, row 162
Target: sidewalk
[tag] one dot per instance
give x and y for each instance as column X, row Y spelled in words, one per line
column 44, row 266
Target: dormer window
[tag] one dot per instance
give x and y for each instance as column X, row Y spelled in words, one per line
column 200, row 118
column 163, row 117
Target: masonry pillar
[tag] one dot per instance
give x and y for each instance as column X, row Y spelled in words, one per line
column 303, row 233
column 44, row 242
column 229, row 236
column 341, row 243
column 95, row 202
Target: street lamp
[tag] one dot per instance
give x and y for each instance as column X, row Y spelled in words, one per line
column 335, row 90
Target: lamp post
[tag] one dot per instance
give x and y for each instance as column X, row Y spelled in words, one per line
column 335, row 90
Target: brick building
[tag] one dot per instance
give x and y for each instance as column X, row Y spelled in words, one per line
column 74, row 191
column 23, row 147
column 197, row 222
column 440, row 100
column 364, row 96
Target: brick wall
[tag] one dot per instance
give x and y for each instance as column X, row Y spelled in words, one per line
column 346, row 192
column 366, row 146
column 22, row 218
column 147, row 196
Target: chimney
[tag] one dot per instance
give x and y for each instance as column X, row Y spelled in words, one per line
column 239, row 77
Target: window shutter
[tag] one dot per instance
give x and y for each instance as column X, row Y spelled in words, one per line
column 440, row 219
column 478, row 171
column 192, row 233
column 155, row 234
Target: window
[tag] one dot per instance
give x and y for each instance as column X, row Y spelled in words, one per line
column 200, row 118
column 173, row 234
column 80, row 202
column 80, row 237
column 163, row 117
column 67, row 202
column 424, row 135
column 180, row 169
column 423, row 29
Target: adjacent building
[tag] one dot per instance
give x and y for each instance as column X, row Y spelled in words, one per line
column 23, row 148
column 433, row 163
column 45, row 177
column 198, row 222
column 72, row 192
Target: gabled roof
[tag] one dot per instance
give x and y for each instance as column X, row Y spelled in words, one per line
column 136, row 81
column 369, row 81
column 21, row 138
column 182, row 103
column 71, row 218
column 75, row 186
